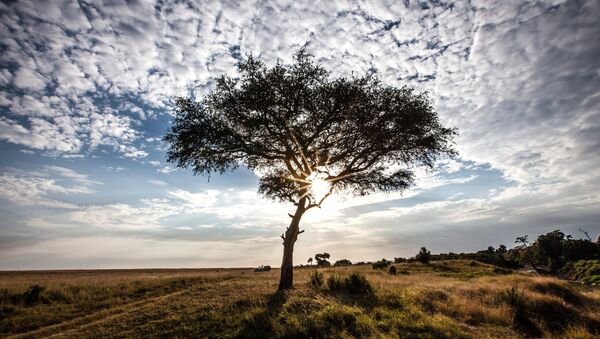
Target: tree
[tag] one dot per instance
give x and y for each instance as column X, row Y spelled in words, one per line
column 306, row 135
column 522, row 241
column 548, row 249
column 424, row 256
column 310, row 261
column 579, row 249
column 587, row 235
column 321, row 259
column 501, row 250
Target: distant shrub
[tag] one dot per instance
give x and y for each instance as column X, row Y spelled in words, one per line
column 383, row 263
column 316, row 279
column 424, row 256
column 399, row 260
column 343, row 262
column 261, row 268
column 355, row 283
column 392, row 270
column 31, row 296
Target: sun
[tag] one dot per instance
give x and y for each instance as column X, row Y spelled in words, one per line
column 319, row 186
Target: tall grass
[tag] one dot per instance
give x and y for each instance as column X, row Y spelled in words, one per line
column 452, row 300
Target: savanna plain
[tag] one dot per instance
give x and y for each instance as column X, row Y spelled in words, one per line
column 442, row 299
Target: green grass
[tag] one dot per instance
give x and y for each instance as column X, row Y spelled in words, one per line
column 454, row 299
column 587, row 271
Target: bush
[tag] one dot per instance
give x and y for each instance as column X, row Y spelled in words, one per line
column 392, row 270
column 31, row 296
column 354, row 283
column 343, row 262
column 383, row 263
column 424, row 256
column 316, row 279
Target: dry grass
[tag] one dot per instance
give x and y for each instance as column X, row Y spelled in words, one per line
column 455, row 299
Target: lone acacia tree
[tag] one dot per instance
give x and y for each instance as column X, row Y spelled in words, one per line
column 306, row 135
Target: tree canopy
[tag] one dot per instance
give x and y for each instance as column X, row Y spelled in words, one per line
column 288, row 123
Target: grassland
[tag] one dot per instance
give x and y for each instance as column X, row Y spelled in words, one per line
column 453, row 299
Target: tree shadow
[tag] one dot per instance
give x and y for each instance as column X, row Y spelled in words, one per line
column 260, row 323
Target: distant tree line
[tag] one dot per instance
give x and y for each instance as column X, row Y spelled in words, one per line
column 547, row 254
column 553, row 250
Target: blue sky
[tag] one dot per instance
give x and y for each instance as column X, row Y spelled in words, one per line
column 86, row 94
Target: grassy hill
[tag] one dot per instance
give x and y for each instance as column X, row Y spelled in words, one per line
column 447, row 299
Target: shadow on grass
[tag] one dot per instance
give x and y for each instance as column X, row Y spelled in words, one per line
column 259, row 322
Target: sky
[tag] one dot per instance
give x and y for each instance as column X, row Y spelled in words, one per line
column 86, row 95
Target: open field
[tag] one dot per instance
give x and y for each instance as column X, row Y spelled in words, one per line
column 457, row 299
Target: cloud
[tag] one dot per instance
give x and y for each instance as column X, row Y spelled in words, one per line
column 109, row 251
column 28, row 188
column 124, row 216
column 28, row 79
column 166, row 169
column 73, row 175
column 42, row 135
column 157, row 183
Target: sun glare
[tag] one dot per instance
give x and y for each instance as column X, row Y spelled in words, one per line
column 319, row 187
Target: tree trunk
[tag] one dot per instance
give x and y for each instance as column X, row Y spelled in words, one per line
column 286, row 279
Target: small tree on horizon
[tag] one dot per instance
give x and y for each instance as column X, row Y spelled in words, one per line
column 305, row 135
column 424, row 256
column 321, row 259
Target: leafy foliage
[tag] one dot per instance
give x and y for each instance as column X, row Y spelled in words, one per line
column 286, row 122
